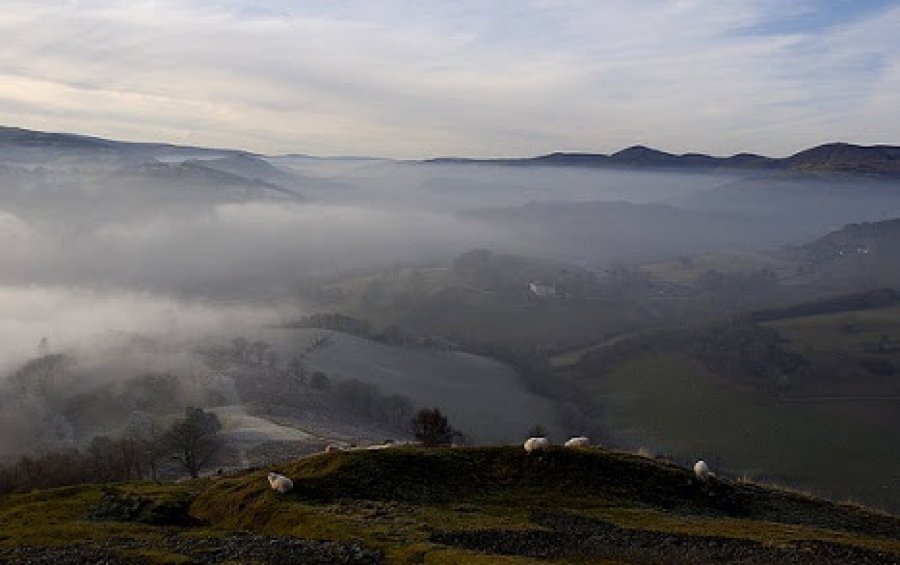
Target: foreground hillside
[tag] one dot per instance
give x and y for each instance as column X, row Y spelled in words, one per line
column 469, row 505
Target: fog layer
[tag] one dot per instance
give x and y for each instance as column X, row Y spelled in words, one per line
column 104, row 246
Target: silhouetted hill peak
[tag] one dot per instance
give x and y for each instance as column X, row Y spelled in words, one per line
column 846, row 157
column 879, row 160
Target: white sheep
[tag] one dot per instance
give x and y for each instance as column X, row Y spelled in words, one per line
column 701, row 471
column 280, row 483
column 579, row 441
column 536, row 444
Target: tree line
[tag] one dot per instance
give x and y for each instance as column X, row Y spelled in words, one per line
column 143, row 451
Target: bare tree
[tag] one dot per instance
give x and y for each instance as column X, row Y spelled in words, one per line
column 195, row 439
column 431, row 427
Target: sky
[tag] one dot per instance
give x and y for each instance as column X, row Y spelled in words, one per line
column 465, row 78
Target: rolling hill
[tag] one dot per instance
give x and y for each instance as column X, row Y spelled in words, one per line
column 24, row 145
column 794, row 397
column 491, row 305
column 193, row 175
column 469, row 505
column 470, row 389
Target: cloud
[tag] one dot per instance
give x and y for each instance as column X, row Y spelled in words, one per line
column 274, row 243
column 21, row 242
column 14, row 229
column 216, row 248
column 109, row 336
column 452, row 77
column 88, row 319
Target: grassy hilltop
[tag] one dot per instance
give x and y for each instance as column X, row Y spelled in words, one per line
column 466, row 505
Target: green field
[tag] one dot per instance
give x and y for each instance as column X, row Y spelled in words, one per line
column 843, row 329
column 437, row 302
column 670, row 404
column 687, row 270
column 839, row 344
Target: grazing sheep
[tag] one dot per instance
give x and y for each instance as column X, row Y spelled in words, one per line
column 701, row 471
column 579, row 441
column 280, row 483
column 536, row 444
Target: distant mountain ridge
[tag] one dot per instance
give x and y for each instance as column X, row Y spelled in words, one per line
column 874, row 160
column 21, row 138
column 188, row 167
column 832, row 157
column 16, row 141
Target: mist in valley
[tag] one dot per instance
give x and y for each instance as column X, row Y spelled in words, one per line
column 139, row 281
column 449, row 281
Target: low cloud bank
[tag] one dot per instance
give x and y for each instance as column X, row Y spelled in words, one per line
column 92, row 322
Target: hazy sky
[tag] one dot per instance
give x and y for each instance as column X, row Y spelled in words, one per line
column 425, row 78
